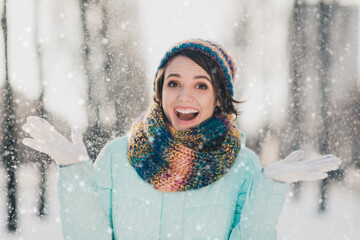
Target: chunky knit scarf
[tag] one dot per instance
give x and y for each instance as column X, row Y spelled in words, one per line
column 174, row 161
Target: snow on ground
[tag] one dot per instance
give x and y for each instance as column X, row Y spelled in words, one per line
column 299, row 219
column 30, row 225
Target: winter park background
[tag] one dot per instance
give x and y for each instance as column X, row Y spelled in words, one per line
column 91, row 63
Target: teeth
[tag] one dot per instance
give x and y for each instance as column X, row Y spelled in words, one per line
column 186, row 110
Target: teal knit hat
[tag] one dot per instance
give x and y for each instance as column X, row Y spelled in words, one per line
column 210, row 49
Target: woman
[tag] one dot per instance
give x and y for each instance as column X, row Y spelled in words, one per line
column 184, row 172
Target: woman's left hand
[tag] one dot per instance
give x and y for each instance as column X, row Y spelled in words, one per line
column 292, row 169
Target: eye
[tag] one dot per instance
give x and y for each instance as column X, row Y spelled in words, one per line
column 202, row 86
column 173, row 84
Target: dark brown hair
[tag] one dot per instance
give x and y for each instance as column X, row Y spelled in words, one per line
column 226, row 100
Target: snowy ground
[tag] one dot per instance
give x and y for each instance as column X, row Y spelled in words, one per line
column 30, row 225
column 299, row 219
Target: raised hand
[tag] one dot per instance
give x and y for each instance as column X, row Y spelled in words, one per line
column 293, row 169
column 46, row 139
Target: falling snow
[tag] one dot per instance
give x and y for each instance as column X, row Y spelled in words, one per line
column 297, row 70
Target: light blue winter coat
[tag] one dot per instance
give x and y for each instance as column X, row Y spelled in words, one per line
column 113, row 202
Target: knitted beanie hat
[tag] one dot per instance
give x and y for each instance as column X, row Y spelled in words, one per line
column 210, row 49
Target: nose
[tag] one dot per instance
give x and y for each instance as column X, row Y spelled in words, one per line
column 185, row 95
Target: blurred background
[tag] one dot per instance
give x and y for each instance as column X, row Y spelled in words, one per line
column 91, row 64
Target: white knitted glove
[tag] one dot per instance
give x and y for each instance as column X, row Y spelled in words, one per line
column 47, row 140
column 292, row 169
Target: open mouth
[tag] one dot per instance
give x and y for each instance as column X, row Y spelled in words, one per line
column 186, row 114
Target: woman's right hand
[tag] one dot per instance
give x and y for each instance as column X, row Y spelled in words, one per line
column 46, row 139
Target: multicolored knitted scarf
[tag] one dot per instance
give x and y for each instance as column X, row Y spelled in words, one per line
column 174, row 161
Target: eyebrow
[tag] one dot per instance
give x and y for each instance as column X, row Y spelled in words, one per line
column 196, row 77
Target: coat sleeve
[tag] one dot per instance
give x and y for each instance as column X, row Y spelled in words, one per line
column 85, row 199
column 258, row 206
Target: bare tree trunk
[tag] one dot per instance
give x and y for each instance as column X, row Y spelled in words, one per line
column 93, row 106
column 128, row 78
column 298, row 46
column 108, row 66
column 325, row 15
column 120, row 117
column 297, row 64
column 96, row 135
column 122, row 71
column 43, row 159
column 105, row 43
column 93, row 110
column 10, row 155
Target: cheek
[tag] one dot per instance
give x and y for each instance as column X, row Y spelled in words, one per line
column 166, row 102
column 208, row 106
column 169, row 95
column 211, row 109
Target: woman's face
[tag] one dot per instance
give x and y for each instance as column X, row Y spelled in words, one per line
column 188, row 96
